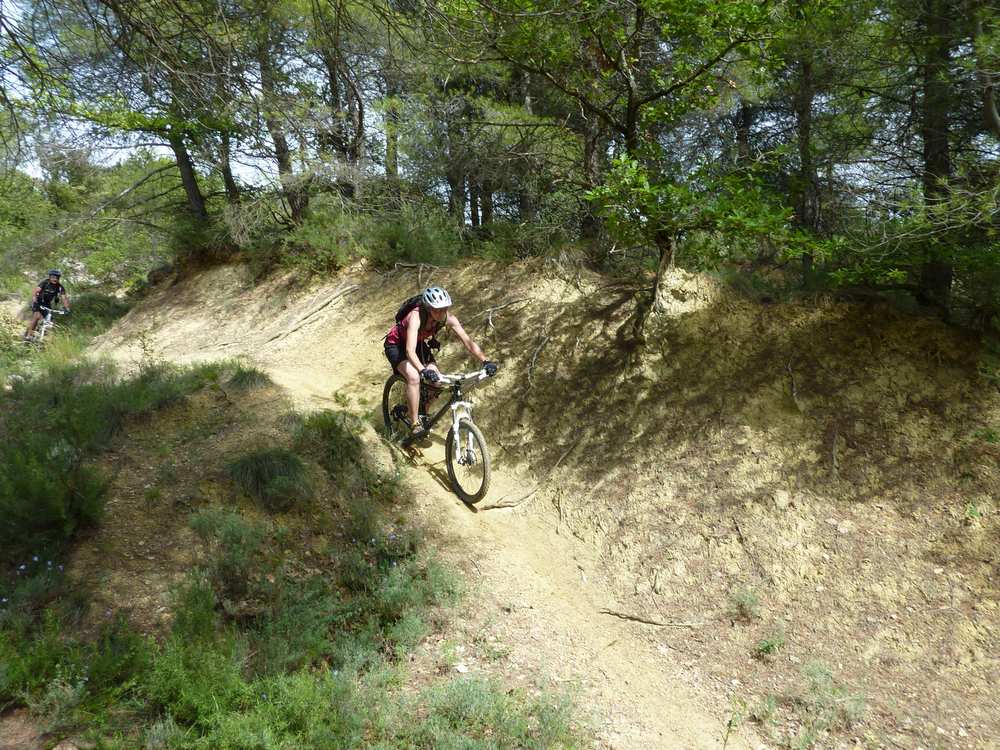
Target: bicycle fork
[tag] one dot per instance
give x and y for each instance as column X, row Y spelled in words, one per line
column 462, row 410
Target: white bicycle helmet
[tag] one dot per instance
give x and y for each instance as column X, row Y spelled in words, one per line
column 436, row 297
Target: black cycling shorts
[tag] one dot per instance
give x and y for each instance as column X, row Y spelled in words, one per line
column 396, row 353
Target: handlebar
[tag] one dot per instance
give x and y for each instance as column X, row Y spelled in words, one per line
column 477, row 376
column 50, row 309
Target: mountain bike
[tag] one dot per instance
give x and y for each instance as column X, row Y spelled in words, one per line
column 44, row 324
column 466, row 455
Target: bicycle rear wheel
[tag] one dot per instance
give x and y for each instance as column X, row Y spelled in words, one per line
column 469, row 468
column 394, row 408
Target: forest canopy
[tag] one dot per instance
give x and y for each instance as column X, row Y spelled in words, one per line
column 848, row 144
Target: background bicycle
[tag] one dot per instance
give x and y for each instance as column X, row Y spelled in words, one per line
column 466, row 454
column 44, row 324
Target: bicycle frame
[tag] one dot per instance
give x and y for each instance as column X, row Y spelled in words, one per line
column 460, row 407
column 46, row 322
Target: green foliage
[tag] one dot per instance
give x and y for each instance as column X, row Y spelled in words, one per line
column 744, row 605
column 827, row 706
column 245, row 377
column 197, row 683
column 333, row 438
column 414, row 234
column 769, row 645
column 94, row 313
column 294, row 631
column 236, row 547
column 329, row 237
column 47, row 488
column 275, row 477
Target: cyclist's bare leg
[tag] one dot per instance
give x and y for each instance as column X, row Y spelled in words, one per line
column 412, row 377
column 35, row 317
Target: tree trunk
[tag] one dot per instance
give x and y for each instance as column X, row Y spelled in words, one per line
column 392, row 138
column 225, row 167
column 595, row 146
column 665, row 242
column 473, row 202
column 527, row 209
column 743, row 123
column 334, row 138
column 297, row 201
column 991, row 116
column 486, row 203
column 936, row 272
column 456, row 196
column 196, row 201
column 805, row 198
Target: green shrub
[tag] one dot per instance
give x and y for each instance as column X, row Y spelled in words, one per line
column 235, row 549
column 94, row 312
column 245, row 377
column 30, row 658
column 118, row 657
column 327, row 239
column 744, row 605
column 827, row 705
column 295, row 630
column 334, row 439
column 198, row 682
column 275, row 477
column 414, row 234
column 194, row 609
column 769, row 646
column 47, row 490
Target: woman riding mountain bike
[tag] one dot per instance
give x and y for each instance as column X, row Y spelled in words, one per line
column 410, row 343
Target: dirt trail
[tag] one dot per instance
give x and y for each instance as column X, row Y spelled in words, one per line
column 535, row 585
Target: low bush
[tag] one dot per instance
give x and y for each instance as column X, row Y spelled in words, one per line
column 94, row 313
column 51, row 425
column 414, row 234
column 236, row 549
column 244, row 377
column 275, row 477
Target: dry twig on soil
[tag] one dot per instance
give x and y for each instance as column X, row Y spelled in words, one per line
column 488, row 312
column 647, row 621
column 337, row 294
column 504, row 503
column 420, row 269
column 531, row 365
column 749, row 550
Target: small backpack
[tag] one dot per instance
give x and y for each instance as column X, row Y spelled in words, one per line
column 407, row 307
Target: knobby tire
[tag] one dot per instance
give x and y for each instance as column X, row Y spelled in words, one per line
column 470, row 495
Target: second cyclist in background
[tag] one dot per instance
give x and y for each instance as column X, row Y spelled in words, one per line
column 47, row 294
column 409, row 344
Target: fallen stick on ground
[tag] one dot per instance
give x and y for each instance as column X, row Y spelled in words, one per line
column 534, row 357
column 504, row 503
column 302, row 321
column 749, row 550
column 647, row 621
column 490, row 310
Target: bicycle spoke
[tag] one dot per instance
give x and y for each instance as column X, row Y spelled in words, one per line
column 469, row 464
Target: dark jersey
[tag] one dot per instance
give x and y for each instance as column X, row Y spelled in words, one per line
column 50, row 293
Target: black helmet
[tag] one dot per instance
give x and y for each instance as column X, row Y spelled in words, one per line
column 55, row 272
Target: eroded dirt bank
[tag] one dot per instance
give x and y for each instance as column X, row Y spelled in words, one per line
column 821, row 476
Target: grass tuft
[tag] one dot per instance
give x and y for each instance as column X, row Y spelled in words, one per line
column 275, row 477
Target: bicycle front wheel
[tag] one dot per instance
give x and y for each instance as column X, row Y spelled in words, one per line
column 469, row 465
column 394, row 408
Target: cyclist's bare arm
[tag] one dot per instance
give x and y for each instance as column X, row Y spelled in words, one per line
column 412, row 331
column 473, row 348
column 65, row 300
